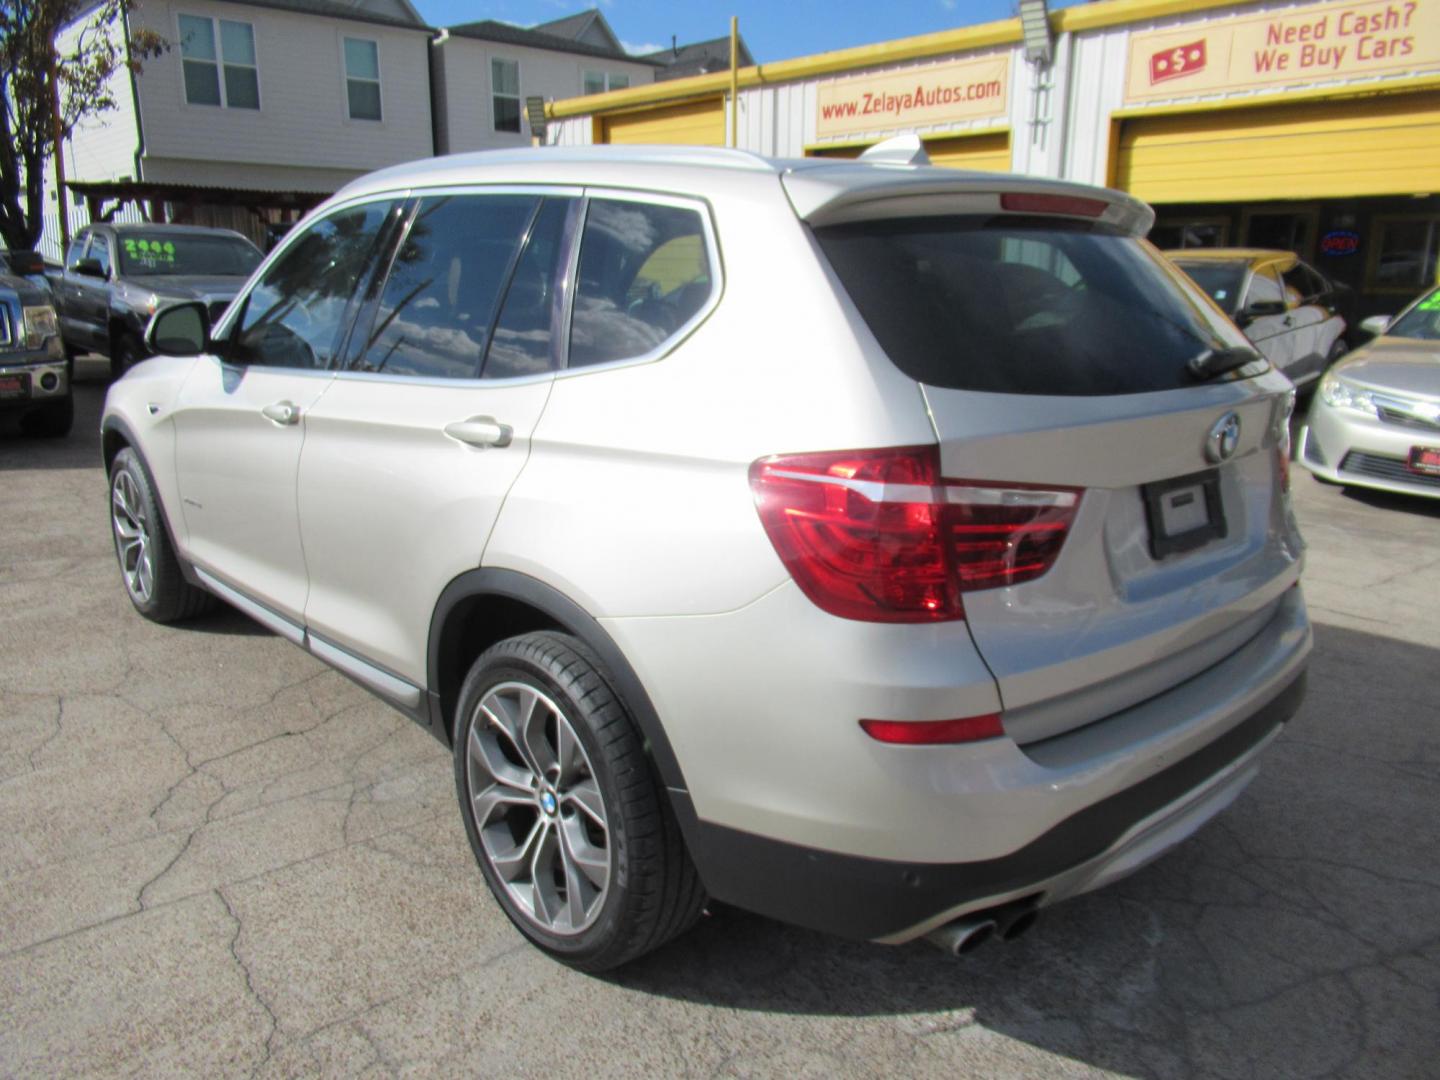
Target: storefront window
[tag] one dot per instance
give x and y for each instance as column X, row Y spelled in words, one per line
column 1281, row 230
column 1173, row 233
column 1404, row 257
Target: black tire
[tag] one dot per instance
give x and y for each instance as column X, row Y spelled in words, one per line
column 652, row 892
column 161, row 595
column 1337, row 350
column 53, row 420
column 125, row 353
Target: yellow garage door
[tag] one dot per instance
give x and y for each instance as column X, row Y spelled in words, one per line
column 986, row 153
column 1388, row 145
column 698, row 123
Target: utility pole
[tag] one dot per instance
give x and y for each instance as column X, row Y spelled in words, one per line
column 57, row 131
column 734, row 80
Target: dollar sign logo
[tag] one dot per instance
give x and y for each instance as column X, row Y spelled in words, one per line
column 1177, row 60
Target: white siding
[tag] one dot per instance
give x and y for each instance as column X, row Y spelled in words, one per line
column 303, row 122
column 103, row 147
column 465, row 89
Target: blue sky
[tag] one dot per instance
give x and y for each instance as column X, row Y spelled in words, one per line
column 774, row 29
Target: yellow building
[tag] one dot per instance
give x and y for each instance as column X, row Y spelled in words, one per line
column 1313, row 127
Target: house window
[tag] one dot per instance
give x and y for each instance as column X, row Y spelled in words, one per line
column 225, row 76
column 597, row 82
column 505, row 92
column 362, row 78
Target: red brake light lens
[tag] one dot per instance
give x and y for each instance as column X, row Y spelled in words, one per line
column 877, row 535
column 934, row 732
column 1035, row 202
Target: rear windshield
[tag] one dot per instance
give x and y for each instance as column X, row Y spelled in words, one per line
column 1021, row 306
column 175, row 254
column 1220, row 280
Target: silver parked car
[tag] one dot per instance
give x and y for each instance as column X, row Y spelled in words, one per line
column 1289, row 310
column 886, row 549
column 1376, row 421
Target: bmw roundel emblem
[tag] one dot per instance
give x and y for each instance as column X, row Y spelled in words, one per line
column 1223, row 440
column 547, row 802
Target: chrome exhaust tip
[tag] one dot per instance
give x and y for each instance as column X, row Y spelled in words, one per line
column 963, row 935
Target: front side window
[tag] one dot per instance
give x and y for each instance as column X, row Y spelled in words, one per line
column 505, row 94
column 440, row 300
column 1015, row 305
column 644, row 274
column 218, row 57
column 100, row 252
column 77, row 251
column 296, row 316
column 1264, row 288
column 1303, row 282
column 362, row 78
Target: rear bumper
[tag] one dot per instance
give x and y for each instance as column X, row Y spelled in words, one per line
column 893, row 902
column 1084, row 828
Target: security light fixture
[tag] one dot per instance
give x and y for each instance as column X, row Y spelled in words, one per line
column 1035, row 24
column 535, row 114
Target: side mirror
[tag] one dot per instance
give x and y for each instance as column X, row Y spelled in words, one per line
column 1375, row 325
column 90, row 268
column 179, row 330
column 1258, row 309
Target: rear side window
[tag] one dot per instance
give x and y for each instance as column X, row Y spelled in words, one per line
column 1024, row 306
column 644, row 274
column 441, row 297
column 521, row 343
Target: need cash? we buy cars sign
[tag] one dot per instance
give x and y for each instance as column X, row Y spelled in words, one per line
column 1299, row 45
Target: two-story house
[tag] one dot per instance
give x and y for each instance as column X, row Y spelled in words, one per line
column 484, row 71
column 257, row 110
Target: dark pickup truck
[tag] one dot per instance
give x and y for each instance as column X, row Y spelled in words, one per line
column 117, row 275
column 34, row 372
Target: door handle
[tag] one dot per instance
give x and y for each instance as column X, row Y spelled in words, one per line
column 480, row 431
column 1289, row 320
column 282, row 413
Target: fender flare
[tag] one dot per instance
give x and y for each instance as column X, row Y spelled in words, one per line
column 512, row 585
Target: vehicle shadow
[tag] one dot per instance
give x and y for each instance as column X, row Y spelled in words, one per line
column 1385, row 500
column 1295, row 935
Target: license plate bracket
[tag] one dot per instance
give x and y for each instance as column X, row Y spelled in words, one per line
column 1184, row 512
column 15, row 386
column 1424, row 460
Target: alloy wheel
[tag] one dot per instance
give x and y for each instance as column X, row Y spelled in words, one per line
column 538, row 808
column 132, row 536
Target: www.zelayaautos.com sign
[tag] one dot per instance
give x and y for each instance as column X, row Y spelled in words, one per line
column 972, row 89
column 1287, row 47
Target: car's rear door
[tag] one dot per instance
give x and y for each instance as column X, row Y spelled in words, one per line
column 413, row 448
column 242, row 415
column 1120, row 526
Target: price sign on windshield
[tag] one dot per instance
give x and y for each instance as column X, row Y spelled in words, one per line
column 150, row 253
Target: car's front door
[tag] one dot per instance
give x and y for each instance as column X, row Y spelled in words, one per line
column 1271, row 333
column 242, row 414
column 80, row 293
column 412, row 450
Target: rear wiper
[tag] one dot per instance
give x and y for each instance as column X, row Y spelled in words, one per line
column 1213, row 362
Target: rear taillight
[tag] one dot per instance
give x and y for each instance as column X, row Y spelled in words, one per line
column 1036, row 202
column 878, row 535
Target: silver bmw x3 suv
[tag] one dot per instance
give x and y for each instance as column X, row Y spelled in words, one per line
column 890, row 550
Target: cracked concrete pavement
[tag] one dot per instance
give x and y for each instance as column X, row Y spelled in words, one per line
column 218, row 856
